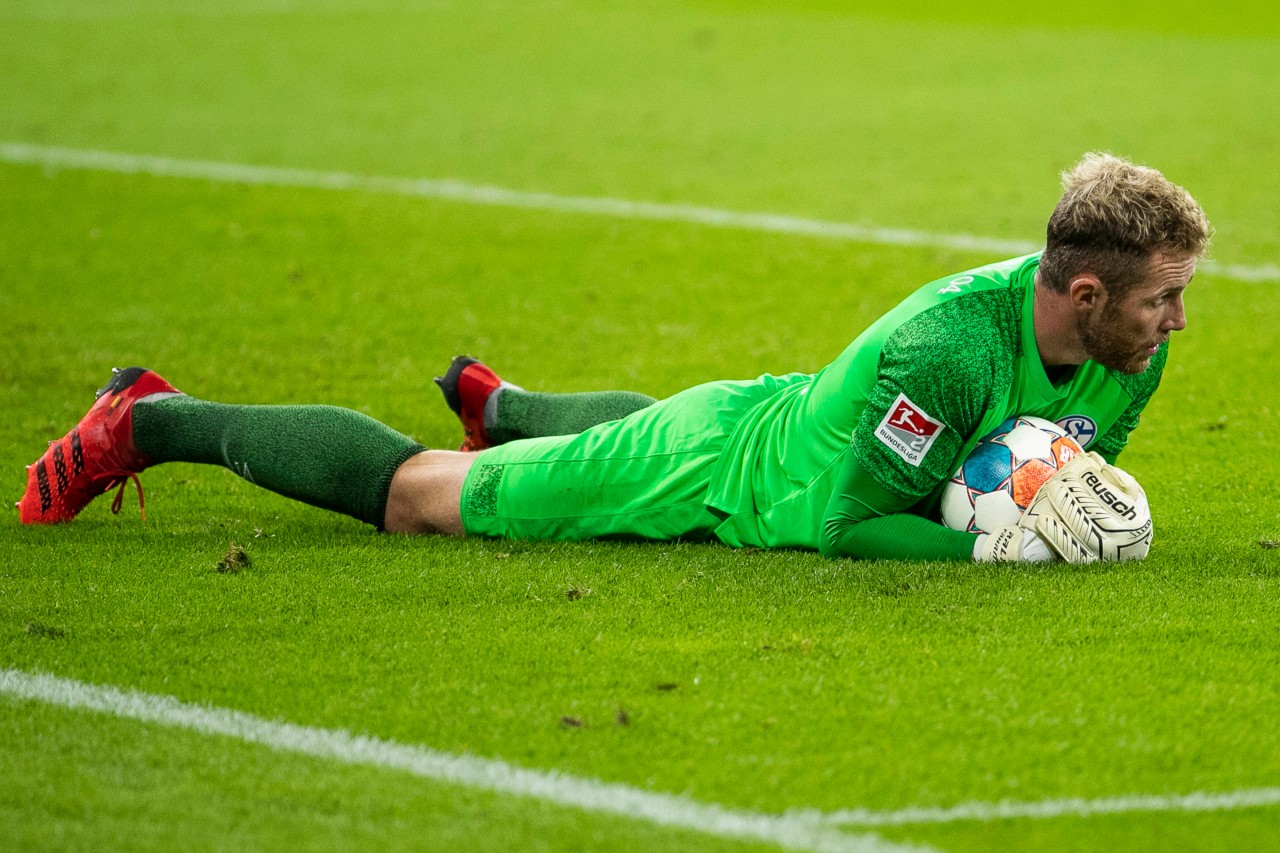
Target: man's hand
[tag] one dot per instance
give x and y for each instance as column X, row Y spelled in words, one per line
column 1091, row 511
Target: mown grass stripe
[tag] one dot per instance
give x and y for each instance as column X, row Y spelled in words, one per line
column 593, row 795
column 459, row 191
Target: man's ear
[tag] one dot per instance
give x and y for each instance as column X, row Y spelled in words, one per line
column 1086, row 292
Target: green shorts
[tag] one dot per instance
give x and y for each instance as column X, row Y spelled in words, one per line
column 645, row 476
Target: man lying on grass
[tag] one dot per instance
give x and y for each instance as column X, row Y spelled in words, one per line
column 849, row 461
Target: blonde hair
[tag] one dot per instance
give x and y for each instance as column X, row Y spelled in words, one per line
column 1112, row 217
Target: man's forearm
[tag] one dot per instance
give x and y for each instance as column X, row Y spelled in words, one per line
column 901, row 536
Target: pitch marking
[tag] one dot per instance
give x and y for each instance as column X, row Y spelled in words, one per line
column 467, row 193
column 163, row 9
column 1199, row 801
column 593, row 795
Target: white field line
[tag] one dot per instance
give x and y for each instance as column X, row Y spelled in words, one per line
column 449, row 190
column 162, row 9
column 593, row 795
column 1198, row 801
column 466, row 193
column 798, row 829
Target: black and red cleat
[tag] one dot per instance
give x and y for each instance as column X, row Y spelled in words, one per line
column 467, row 386
column 95, row 456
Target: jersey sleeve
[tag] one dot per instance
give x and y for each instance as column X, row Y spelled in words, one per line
column 866, row 521
column 933, row 385
column 934, row 381
column 1140, row 388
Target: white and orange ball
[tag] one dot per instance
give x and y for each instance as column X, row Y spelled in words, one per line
column 995, row 484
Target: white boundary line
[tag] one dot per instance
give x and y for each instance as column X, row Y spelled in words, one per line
column 798, row 829
column 459, row 191
column 790, row 831
column 1198, row 801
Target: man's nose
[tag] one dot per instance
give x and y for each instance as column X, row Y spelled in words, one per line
column 1177, row 319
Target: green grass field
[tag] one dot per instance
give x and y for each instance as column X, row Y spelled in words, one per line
column 779, row 686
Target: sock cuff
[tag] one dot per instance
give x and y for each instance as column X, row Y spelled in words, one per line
column 377, row 513
column 490, row 414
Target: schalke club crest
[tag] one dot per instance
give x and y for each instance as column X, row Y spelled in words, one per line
column 1080, row 427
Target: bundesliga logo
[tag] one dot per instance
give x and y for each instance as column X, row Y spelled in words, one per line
column 908, row 419
column 907, row 430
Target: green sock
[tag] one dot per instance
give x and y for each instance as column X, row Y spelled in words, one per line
column 528, row 414
column 325, row 456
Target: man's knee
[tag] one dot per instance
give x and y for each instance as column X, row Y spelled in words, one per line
column 426, row 494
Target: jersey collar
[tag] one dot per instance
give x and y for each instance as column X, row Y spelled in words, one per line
column 1032, row 367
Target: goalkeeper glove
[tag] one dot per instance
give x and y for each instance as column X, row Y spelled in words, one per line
column 1091, row 510
column 1012, row 543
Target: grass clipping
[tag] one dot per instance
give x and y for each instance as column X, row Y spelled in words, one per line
column 234, row 561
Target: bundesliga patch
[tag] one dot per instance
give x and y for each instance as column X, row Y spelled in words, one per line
column 908, row 431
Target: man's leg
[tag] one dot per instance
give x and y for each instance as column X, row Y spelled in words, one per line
column 647, row 476
column 329, row 457
column 494, row 412
column 426, row 493
column 326, row 456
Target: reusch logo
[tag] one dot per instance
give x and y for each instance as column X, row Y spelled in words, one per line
column 1119, row 507
column 1004, row 538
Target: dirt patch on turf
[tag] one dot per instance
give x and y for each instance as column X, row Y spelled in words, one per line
column 39, row 629
column 235, row 560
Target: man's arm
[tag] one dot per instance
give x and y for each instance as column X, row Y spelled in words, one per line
column 866, row 521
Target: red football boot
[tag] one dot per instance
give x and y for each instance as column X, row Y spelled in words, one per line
column 95, row 456
column 467, row 387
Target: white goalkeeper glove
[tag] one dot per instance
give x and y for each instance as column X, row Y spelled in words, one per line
column 1012, row 543
column 1091, row 510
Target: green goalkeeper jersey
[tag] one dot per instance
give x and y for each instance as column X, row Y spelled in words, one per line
column 882, row 428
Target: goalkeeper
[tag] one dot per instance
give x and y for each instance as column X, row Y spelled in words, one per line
column 850, row 460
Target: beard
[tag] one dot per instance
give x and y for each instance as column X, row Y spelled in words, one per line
column 1109, row 346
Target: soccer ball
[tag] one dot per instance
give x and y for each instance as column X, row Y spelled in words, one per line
column 994, row 485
